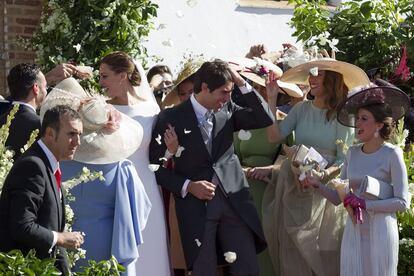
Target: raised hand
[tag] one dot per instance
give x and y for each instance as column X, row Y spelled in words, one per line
column 272, row 88
column 60, row 72
column 202, row 189
column 256, row 51
column 71, row 240
column 171, row 139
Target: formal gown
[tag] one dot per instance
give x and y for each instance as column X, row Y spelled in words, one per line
column 258, row 152
column 111, row 213
column 154, row 258
column 306, row 228
column 371, row 248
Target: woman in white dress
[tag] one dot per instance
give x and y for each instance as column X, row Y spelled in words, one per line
column 377, row 176
column 125, row 83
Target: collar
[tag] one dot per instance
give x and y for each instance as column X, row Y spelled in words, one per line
column 52, row 159
column 25, row 104
column 199, row 110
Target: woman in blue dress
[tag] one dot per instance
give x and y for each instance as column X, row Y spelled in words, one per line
column 113, row 212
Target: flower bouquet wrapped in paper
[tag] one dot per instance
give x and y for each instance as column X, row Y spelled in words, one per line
column 342, row 188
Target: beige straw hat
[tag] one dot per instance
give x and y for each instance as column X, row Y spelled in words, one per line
column 100, row 142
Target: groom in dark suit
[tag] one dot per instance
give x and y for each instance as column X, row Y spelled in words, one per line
column 32, row 204
column 214, row 207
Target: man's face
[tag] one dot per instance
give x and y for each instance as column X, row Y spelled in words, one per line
column 67, row 140
column 217, row 98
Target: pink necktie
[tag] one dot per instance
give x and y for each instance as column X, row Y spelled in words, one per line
column 58, row 176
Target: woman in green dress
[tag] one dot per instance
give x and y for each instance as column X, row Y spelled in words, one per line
column 255, row 153
column 306, row 229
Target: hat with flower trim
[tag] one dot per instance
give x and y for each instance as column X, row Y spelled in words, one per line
column 108, row 135
column 256, row 70
column 379, row 92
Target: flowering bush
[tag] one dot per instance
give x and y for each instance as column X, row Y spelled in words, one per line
column 369, row 34
column 84, row 31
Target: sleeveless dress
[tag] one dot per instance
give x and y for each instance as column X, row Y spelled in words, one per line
column 258, row 152
column 153, row 253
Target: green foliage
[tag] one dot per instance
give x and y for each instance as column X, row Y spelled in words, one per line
column 103, row 268
column 405, row 263
column 15, row 263
column 370, row 34
column 84, row 31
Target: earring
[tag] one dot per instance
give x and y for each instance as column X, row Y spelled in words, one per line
column 376, row 134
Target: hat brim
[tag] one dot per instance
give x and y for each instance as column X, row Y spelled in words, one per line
column 104, row 147
column 391, row 95
column 353, row 75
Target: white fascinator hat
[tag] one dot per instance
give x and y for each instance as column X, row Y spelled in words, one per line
column 108, row 135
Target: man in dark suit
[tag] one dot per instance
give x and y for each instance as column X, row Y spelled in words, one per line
column 27, row 86
column 32, row 204
column 213, row 202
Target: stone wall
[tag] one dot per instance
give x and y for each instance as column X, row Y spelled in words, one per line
column 18, row 18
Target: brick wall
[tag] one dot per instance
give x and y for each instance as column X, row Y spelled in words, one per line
column 17, row 18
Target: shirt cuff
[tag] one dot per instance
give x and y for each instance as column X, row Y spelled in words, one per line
column 184, row 188
column 246, row 88
column 55, row 237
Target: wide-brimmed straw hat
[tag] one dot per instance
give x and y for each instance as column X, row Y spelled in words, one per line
column 190, row 67
column 256, row 70
column 108, row 135
column 379, row 92
column 353, row 75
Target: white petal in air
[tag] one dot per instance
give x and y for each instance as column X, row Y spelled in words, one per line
column 158, row 139
column 77, row 47
column 187, row 131
column 191, row 3
column 153, row 167
column 168, row 106
column 162, row 26
column 168, row 43
column 163, row 159
column 179, row 151
column 198, row 242
column 244, row 135
column 179, row 14
column 230, row 257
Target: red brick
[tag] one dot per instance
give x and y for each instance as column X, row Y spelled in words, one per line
column 27, row 21
column 28, row 2
column 15, row 29
column 14, row 11
column 29, row 30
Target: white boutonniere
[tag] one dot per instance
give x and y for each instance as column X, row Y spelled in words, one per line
column 187, row 131
column 158, row 139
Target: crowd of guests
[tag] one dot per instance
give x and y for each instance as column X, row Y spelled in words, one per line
column 201, row 173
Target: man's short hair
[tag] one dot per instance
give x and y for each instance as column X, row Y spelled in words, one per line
column 158, row 70
column 214, row 73
column 52, row 118
column 21, row 78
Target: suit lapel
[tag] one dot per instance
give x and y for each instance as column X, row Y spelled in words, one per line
column 220, row 119
column 190, row 122
column 52, row 181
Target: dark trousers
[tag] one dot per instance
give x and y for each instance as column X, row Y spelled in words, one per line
column 223, row 223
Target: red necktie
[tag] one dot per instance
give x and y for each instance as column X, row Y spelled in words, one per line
column 58, row 176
